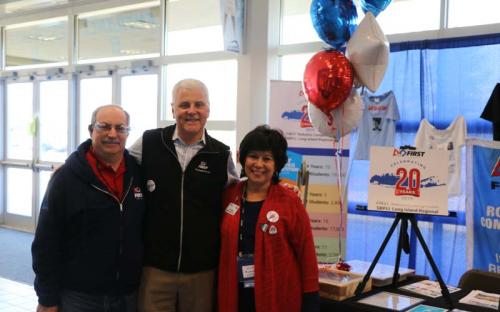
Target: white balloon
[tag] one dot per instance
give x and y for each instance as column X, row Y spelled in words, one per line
column 339, row 121
column 368, row 51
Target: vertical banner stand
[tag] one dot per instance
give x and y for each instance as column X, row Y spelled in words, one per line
column 403, row 243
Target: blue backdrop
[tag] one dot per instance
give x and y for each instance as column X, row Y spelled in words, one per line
column 437, row 80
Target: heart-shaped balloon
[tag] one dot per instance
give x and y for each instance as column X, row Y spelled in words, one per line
column 339, row 121
column 328, row 79
column 368, row 51
column 374, row 6
column 334, row 20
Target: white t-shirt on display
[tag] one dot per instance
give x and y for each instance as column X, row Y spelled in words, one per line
column 451, row 139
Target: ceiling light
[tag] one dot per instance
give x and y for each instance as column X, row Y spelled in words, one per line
column 140, row 24
column 132, row 52
column 44, row 38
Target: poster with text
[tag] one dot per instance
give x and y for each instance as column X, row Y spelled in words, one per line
column 408, row 181
column 483, row 205
column 288, row 112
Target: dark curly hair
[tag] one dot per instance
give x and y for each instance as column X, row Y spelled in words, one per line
column 263, row 138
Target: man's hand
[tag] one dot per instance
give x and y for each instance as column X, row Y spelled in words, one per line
column 293, row 188
column 41, row 308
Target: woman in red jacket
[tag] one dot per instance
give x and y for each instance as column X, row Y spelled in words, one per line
column 268, row 260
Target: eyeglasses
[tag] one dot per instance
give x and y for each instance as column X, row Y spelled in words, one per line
column 105, row 127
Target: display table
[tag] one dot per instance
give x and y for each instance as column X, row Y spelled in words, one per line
column 352, row 304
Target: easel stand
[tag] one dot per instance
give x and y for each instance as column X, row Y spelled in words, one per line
column 403, row 243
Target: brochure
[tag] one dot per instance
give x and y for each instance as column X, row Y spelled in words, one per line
column 427, row 288
column 481, row 299
column 426, row 308
column 382, row 273
column 391, row 301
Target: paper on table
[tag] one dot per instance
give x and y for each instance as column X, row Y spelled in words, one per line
column 391, row 301
column 382, row 274
column 482, row 299
column 427, row 288
column 426, row 308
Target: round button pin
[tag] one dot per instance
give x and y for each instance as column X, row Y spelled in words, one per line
column 272, row 216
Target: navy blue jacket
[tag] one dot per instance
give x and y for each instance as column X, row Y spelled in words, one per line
column 86, row 239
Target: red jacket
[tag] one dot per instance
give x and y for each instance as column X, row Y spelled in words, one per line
column 285, row 262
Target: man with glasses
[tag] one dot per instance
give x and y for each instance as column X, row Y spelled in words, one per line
column 88, row 247
column 186, row 171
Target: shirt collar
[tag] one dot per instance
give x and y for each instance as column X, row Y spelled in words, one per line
column 98, row 164
column 176, row 137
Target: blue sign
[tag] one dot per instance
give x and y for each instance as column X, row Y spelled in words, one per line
column 486, row 208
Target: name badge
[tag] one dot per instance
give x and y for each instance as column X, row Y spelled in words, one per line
column 246, row 270
column 232, row 208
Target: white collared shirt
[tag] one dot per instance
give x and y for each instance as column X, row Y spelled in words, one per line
column 185, row 152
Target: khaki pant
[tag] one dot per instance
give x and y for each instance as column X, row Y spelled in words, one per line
column 163, row 291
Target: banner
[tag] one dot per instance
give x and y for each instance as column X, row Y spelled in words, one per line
column 408, row 181
column 483, row 205
column 288, row 112
column 233, row 23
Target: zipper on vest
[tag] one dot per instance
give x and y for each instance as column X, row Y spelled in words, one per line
column 182, row 224
column 181, row 230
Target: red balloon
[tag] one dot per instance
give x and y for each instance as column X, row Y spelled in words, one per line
column 328, row 80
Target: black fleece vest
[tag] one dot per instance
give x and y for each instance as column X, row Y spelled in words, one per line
column 183, row 209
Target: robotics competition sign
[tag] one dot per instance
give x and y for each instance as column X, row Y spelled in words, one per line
column 408, row 181
column 483, row 205
column 288, row 112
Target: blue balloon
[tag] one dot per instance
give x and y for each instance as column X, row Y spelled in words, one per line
column 374, row 6
column 334, row 20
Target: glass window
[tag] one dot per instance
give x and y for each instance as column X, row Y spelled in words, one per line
column 293, row 66
column 403, row 16
column 20, row 122
column 139, row 98
column 53, row 120
column 38, row 42
column 220, row 78
column 19, row 181
column 94, row 92
column 226, row 137
column 193, row 26
column 124, row 34
column 466, row 13
column 296, row 24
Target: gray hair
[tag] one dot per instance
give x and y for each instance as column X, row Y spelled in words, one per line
column 189, row 84
column 94, row 114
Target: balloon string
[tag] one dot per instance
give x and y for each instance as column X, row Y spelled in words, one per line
column 338, row 145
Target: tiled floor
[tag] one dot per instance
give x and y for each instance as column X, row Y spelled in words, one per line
column 16, row 297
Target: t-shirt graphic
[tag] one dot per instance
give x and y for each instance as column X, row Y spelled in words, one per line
column 378, row 124
column 450, row 139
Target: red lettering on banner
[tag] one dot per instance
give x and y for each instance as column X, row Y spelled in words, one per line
column 376, row 108
column 413, row 182
column 496, row 169
column 305, row 122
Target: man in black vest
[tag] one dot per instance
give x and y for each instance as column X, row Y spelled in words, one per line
column 185, row 171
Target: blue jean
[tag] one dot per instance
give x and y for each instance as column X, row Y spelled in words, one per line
column 74, row 301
